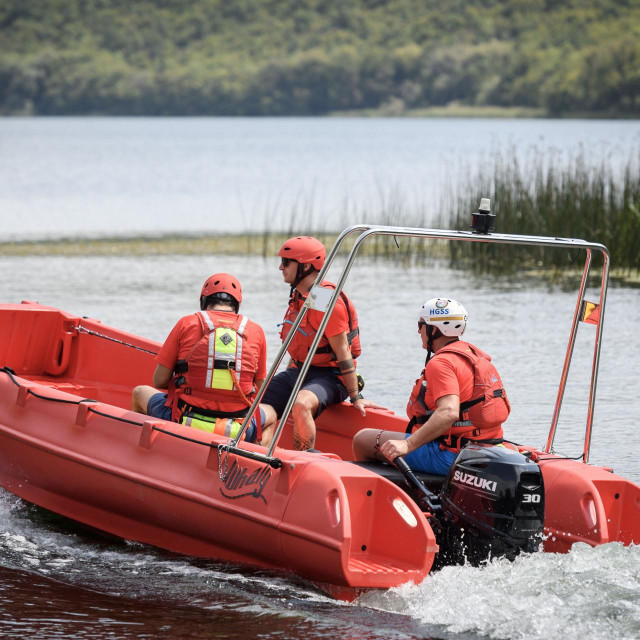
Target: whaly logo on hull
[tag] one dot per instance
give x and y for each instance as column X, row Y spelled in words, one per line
column 238, row 483
column 475, row 481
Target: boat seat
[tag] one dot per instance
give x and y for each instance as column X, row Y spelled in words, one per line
column 432, row 481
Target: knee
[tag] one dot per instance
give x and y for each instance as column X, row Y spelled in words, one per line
column 363, row 444
column 140, row 397
column 302, row 407
column 138, row 391
column 269, row 415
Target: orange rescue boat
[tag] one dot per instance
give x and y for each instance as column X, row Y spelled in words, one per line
column 69, row 444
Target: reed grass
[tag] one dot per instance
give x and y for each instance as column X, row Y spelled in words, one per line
column 594, row 202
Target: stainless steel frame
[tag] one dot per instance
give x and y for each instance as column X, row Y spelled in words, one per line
column 366, row 231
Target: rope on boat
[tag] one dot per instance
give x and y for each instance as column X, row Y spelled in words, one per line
column 82, row 329
column 559, row 457
column 224, row 461
column 273, row 462
column 556, row 458
column 106, row 415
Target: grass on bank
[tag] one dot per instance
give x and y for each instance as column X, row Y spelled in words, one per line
column 578, row 200
column 395, row 108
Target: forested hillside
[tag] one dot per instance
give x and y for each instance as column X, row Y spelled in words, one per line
column 303, row 57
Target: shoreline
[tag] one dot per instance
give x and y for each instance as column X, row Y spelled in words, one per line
column 389, row 110
column 257, row 244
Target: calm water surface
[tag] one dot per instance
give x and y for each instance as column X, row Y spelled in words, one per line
column 122, row 176
column 99, row 176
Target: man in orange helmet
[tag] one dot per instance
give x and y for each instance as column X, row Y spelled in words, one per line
column 332, row 375
column 212, row 363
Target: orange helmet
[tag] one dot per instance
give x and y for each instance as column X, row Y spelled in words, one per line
column 304, row 250
column 223, row 286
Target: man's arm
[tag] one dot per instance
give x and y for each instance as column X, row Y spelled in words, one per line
column 446, row 413
column 162, row 377
column 340, row 346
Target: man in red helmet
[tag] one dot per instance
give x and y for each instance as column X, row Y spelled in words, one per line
column 212, row 363
column 332, row 375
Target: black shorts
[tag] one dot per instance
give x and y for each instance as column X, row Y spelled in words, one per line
column 321, row 381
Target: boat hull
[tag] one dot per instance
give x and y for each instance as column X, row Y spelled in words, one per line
column 164, row 484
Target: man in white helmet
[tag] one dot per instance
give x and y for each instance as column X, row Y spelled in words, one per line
column 459, row 398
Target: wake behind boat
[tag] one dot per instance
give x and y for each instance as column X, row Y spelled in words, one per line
column 69, row 444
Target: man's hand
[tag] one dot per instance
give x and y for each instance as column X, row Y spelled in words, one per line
column 391, row 449
column 362, row 403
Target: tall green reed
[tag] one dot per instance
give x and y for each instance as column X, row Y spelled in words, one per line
column 596, row 202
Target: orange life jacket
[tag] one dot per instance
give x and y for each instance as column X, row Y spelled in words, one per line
column 301, row 342
column 481, row 417
column 220, row 367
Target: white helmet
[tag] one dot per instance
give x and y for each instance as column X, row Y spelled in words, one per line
column 447, row 315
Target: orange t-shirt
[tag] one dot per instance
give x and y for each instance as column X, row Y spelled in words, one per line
column 448, row 374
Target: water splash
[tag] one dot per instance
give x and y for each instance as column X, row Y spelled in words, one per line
column 587, row 593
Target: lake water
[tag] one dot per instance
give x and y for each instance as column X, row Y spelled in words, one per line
column 123, row 176
column 60, row 581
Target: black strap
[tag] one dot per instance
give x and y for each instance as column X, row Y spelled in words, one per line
column 188, row 410
column 182, row 366
column 224, row 364
column 457, row 442
column 414, row 421
column 465, row 406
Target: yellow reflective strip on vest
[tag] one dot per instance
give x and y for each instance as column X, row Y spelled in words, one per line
column 221, row 426
column 221, row 378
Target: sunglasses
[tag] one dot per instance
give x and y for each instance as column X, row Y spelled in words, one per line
column 286, row 261
column 421, row 324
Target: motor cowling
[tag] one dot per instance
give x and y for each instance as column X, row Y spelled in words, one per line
column 492, row 505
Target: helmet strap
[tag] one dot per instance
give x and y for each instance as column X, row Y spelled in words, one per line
column 207, row 301
column 301, row 274
column 431, row 330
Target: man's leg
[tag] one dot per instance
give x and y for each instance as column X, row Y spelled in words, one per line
column 268, row 427
column 141, row 396
column 304, row 409
column 367, row 441
column 320, row 390
column 274, row 401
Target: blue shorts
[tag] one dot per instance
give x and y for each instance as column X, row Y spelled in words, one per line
column 156, row 409
column 430, row 458
column 321, row 381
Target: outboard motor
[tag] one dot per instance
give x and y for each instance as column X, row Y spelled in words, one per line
column 492, row 505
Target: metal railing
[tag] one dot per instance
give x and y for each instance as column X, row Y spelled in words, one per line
column 366, row 231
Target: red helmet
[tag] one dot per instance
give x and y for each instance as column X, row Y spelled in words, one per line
column 305, row 250
column 222, row 283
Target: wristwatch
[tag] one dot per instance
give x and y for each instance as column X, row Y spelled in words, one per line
column 356, row 398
